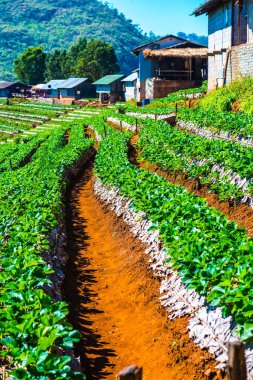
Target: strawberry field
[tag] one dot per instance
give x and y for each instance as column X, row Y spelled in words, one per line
column 201, row 255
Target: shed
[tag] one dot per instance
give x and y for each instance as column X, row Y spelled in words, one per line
column 131, row 86
column 51, row 89
column 36, row 91
column 76, row 88
column 230, row 39
column 13, row 89
column 110, row 88
column 170, row 64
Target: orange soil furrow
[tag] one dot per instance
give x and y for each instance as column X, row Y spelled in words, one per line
column 114, row 300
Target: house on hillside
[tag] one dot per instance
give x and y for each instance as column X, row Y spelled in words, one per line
column 230, row 39
column 73, row 88
column 170, row 64
column 131, row 86
column 13, row 89
column 110, row 88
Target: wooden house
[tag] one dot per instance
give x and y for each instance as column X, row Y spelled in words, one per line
column 230, row 39
column 170, row 64
column 13, row 89
column 110, row 88
column 131, row 86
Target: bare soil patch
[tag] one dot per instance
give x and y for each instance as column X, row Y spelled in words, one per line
column 114, row 300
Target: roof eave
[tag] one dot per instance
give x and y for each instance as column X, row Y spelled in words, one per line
column 207, row 7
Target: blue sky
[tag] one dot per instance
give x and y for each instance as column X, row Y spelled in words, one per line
column 163, row 16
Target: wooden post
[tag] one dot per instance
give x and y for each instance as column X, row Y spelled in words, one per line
column 131, row 373
column 176, row 109
column 136, row 126
column 190, row 68
column 236, row 369
column 104, row 130
column 185, row 98
column 155, row 116
column 226, row 67
column 121, row 129
column 189, row 103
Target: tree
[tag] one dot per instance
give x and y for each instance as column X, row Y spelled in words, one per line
column 57, row 66
column 30, row 65
column 75, row 53
column 97, row 60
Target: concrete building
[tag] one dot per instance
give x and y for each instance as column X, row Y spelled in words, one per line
column 170, row 64
column 131, row 86
column 110, row 88
column 13, row 89
column 230, row 40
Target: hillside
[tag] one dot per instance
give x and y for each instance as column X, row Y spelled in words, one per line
column 57, row 23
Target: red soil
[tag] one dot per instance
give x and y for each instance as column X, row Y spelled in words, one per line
column 114, row 301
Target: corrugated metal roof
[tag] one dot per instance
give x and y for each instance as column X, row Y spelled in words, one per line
column 72, row 82
column 207, row 6
column 108, row 79
column 131, row 78
column 52, row 84
column 38, row 86
column 4, row 84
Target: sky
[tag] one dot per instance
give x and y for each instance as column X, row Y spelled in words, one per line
column 163, row 16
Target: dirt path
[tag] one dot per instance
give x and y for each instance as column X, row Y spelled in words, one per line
column 114, row 301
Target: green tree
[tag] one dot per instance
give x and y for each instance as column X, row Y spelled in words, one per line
column 30, row 65
column 97, row 60
column 76, row 53
column 57, row 66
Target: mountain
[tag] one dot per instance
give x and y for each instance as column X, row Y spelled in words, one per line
column 58, row 23
column 202, row 40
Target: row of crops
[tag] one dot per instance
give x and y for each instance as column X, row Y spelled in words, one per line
column 212, row 162
column 210, row 253
column 21, row 118
column 35, row 335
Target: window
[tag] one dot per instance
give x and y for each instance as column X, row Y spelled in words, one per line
column 240, row 22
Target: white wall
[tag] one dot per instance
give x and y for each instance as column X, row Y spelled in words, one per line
column 219, row 39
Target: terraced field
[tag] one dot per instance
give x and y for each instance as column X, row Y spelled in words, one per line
column 143, row 244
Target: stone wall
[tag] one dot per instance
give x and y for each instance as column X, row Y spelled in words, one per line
column 241, row 62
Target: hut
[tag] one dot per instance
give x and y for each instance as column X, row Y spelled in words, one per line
column 72, row 88
column 170, row 64
column 110, row 88
column 131, row 86
column 13, row 89
column 76, row 88
column 51, row 89
column 36, row 91
column 230, row 39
